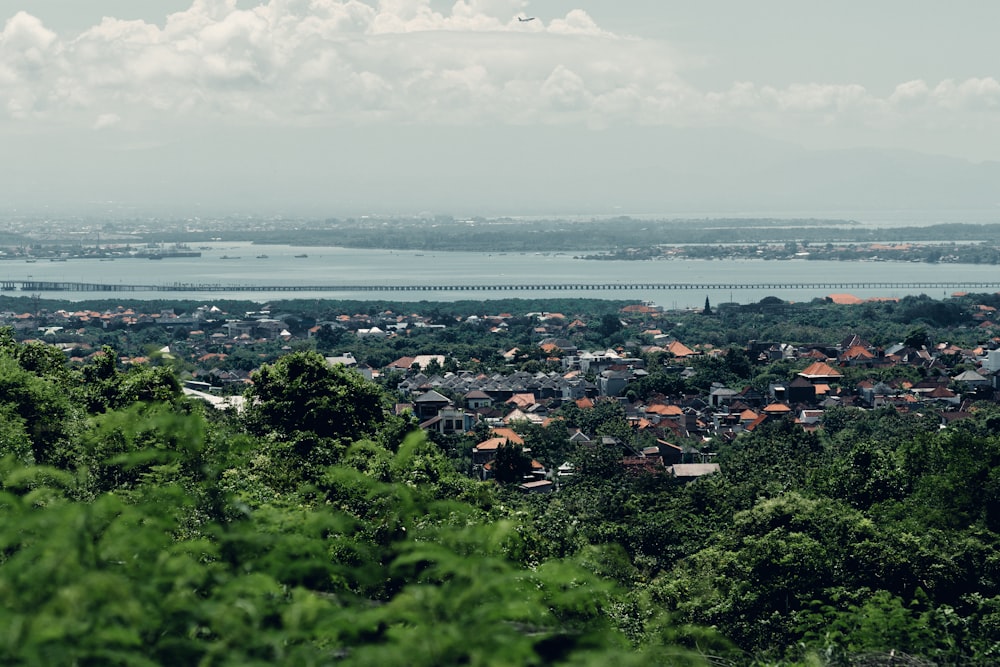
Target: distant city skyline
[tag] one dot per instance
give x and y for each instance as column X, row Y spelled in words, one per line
column 337, row 107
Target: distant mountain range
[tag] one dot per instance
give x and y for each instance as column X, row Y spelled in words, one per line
column 484, row 171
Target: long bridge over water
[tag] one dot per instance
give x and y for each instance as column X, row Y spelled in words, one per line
column 64, row 286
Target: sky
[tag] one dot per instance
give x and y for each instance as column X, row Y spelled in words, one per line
column 345, row 107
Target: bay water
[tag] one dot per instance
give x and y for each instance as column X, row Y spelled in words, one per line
column 228, row 265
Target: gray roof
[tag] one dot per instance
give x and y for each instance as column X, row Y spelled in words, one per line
column 969, row 376
column 431, row 397
column 694, row 469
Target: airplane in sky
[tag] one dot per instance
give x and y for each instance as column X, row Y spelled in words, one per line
column 525, row 19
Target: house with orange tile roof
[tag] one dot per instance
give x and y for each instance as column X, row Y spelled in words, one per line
column 508, row 434
column 748, row 416
column 486, row 450
column 757, row 422
column 679, row 349
column 664, row 411
column 523, row 401
column 641, row 309
column 844, row 299
column 820, row 371
column 856, row 355
column 551, row 350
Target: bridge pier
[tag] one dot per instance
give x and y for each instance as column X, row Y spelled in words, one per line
column 56, row 286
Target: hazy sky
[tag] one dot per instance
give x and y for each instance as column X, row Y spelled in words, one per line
column 341, row 106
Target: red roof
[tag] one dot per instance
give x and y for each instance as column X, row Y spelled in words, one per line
column 665, row 410
column 857, row 352
column 844, row 299
column 491, row 445
column 820, row 370
column 679, row 349
column 508, row 434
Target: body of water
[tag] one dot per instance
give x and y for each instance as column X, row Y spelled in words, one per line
column 247, row 264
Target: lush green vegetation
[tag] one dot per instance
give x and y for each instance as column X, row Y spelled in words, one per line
column 882, row 323
column 442, row 233
column 139, row 527
column 510, row 235
column 926, row 251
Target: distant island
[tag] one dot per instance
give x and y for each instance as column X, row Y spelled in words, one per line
column 619, row 238
column 931, row 253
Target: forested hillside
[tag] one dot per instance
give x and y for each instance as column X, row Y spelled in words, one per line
column 316, row 527
column 139, row 528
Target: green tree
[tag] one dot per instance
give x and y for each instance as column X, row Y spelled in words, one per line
column 106, row 387
column 610, row 324
column 882, row 625
column 329, row 337
column 759, row 576
column 917, row 338
column 39, row 406
column 549, row 444
column 511, row 463
column 302, row 393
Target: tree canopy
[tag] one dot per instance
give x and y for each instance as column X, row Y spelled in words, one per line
column 315, row 527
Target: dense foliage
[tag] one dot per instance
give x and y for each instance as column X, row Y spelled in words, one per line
column 555, row 235
column 140, row 528
column 443, row 232
column 468, row 336
column 316, row 527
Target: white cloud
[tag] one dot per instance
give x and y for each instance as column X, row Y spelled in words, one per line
column 909, row 93
column 565, row 90
column 978, row 94
column 577, row 22
column 26, row 43
column 817, row 97
column 299, row 61
column 311, row 62
column 106, row 120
